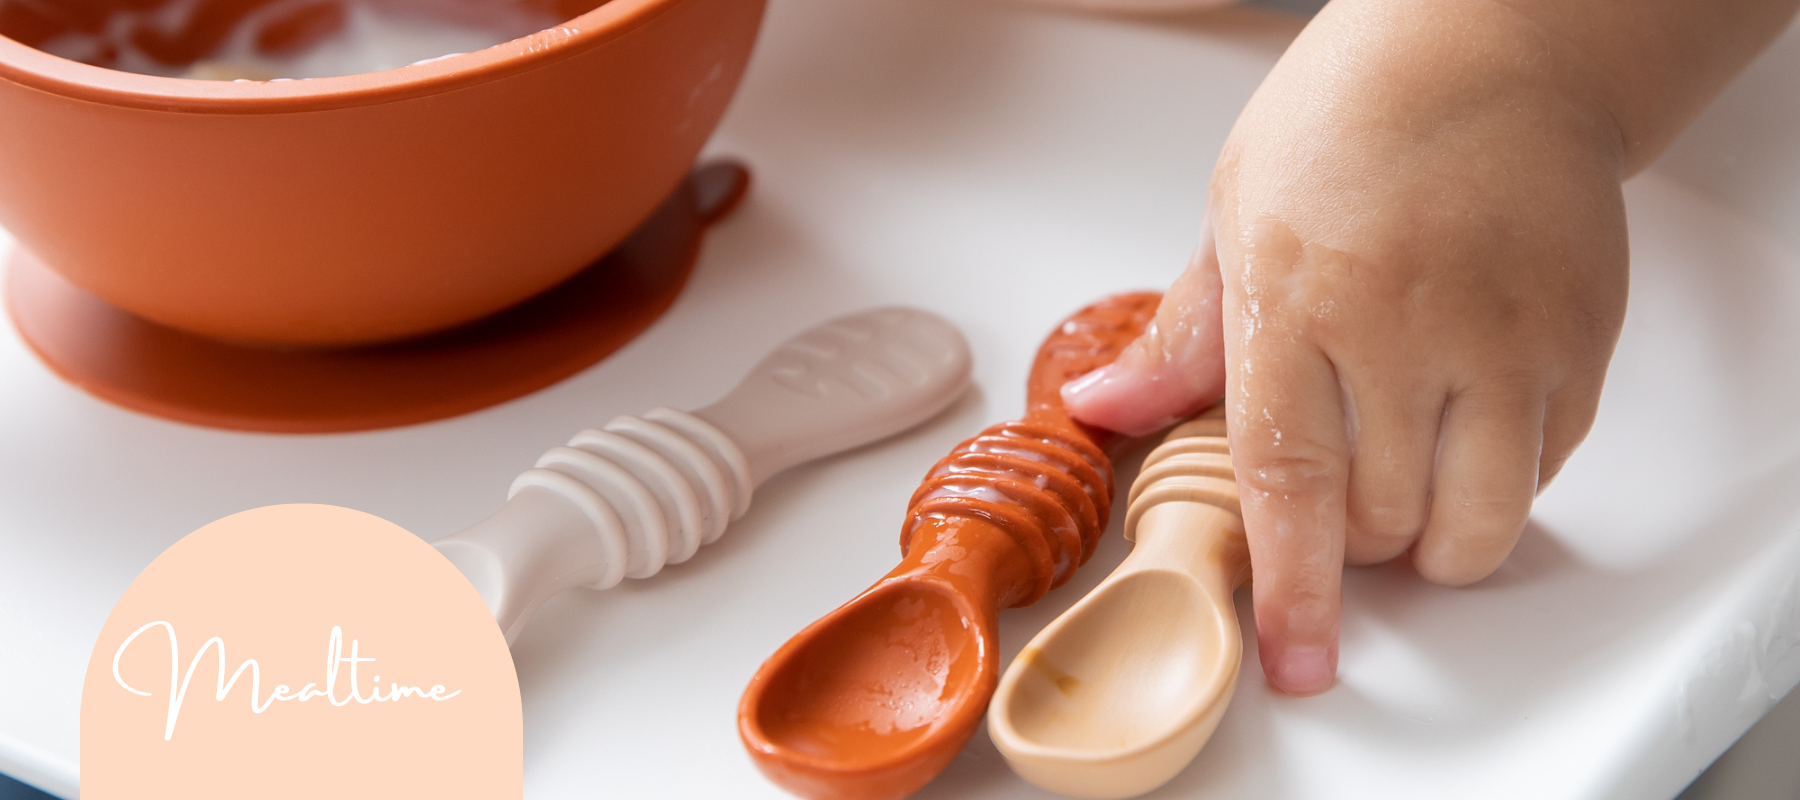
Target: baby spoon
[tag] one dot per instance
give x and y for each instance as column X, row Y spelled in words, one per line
column 873, row 700
column 1119, row 693
column 622, row 501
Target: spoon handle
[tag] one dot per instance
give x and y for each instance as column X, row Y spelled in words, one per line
column 624, row 500
column 1183, row 510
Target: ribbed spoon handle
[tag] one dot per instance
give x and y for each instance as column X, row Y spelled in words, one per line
column 624, row 500
column 1183, row 508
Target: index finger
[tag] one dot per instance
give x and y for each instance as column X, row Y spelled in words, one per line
column 1291, row 453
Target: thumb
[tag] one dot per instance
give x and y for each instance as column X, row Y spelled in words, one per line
column 1173, row 370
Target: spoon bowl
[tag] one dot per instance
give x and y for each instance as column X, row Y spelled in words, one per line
column 861, row 704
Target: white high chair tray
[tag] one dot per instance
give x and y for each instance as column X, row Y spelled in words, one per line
column 1004, row 166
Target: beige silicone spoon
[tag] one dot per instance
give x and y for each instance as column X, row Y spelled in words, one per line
column 1119, row 693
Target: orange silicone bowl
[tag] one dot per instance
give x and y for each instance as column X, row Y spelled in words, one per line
column 365, row 208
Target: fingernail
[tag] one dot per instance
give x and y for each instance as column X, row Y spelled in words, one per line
column 1073, row 391
column 1305, row 671
column 1118, row 398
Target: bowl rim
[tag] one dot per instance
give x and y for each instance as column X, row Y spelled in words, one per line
column 36, row 69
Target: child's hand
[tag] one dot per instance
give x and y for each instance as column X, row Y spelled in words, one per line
column 1416, row 277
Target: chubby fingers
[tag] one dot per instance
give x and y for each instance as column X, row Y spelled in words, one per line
column 1487, row 476
column 1176, row 368
column 1290, row 449
column 1394, row 417
column 1568, row 416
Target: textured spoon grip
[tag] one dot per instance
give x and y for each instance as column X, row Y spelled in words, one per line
column 625, row 500
column 1050, row 489
column 654, row 488
column 1192, row 465
column 1043, row 480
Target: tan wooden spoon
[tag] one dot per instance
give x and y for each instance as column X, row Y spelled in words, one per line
column 1119, row 693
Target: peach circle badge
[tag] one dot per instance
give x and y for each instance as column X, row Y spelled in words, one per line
column 301, row 651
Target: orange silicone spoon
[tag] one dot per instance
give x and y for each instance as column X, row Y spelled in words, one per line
column 873, row 700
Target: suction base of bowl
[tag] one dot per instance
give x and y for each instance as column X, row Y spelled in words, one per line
column 146, row 367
